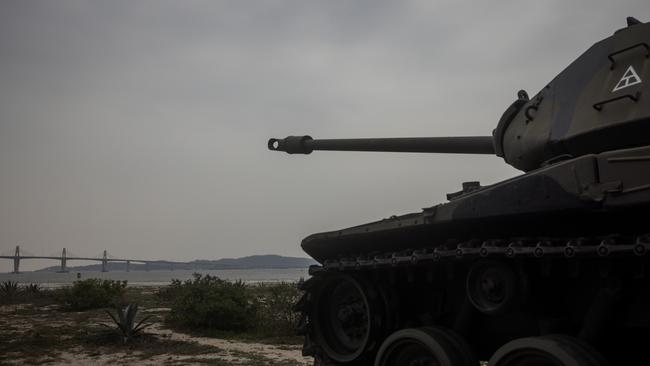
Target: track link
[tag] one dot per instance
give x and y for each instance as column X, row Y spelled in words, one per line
column 615, row 246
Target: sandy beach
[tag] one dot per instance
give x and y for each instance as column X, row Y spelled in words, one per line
column 42, row 333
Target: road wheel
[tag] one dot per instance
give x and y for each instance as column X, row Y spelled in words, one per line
column 553, row 350
column 430, row 346
column 346, row 317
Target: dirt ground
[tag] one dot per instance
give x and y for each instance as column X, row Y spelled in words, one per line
column 37, row 334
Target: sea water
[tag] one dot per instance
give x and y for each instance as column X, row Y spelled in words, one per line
column 158, row 278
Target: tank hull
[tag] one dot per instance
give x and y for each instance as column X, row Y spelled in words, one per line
column 572, row 237
column 596, row 194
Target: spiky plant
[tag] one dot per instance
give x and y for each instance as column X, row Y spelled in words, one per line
column 125, row 322
column 8, row 289
column 32, row 289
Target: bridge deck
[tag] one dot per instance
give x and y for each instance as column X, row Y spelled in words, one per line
column 21, row 257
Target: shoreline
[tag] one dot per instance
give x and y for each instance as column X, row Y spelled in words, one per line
column 158, row 278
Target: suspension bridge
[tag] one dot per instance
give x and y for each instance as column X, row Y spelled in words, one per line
column 65, row 256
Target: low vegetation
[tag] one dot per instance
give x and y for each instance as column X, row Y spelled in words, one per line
column 77, row 336
column 8, row 290
column 12, row 292
column 51, row 325
column 82, row 295
column 211, row 304
column 126, row 325
column 92, row 294
column 275, row 314
column 32, row 289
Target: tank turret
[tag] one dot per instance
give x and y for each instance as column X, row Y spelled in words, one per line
column 598, row 103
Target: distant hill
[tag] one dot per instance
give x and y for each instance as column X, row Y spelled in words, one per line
column 250, row 262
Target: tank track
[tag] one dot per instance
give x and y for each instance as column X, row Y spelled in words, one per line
column 521, row 247
column 614, row 246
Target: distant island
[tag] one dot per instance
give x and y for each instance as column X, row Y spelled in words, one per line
column 250, row 262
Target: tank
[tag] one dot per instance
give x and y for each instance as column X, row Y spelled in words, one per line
column 547, row 268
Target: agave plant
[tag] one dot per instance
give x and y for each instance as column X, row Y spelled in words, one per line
column 32, row 288
column 125, row 322
column 8, row 289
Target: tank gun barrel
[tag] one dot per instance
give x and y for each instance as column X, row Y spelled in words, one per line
column 445, row 145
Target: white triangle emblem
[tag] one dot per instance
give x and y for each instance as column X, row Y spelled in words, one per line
column 630, row 77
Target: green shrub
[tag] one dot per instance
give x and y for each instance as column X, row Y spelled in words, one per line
column 210, row 302
column 275, row 316
column 169, row 293
column 92, row 294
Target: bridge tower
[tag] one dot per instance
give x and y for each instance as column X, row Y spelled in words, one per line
column 105, row 262
column 128, row 266
column 64, row 260
column 17, row 260
column 146, row 266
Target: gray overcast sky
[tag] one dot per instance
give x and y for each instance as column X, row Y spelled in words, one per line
column 141, row 126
